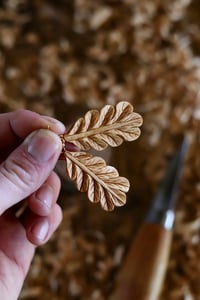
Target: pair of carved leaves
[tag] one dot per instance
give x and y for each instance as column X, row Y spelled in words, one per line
column 97, row 130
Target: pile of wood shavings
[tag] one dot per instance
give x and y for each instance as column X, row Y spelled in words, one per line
column 65, row 57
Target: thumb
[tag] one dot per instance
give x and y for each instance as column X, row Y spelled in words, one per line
column 28, row 166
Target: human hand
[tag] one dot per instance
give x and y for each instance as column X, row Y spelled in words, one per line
column 28, row 155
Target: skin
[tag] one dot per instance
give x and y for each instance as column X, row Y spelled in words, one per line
column 29, row 149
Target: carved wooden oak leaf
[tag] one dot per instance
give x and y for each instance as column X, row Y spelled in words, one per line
column 102, row 183
column 96, row 130
column 110, row 126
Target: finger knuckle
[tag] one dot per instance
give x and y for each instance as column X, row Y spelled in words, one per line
column 21, row 174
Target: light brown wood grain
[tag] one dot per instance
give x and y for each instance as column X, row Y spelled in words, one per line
column 142, row 274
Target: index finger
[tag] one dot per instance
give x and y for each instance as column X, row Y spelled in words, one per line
column 16, row 125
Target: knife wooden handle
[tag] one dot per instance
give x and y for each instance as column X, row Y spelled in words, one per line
column 142, row 274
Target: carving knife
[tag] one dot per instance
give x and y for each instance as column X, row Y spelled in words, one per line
column 142, row 274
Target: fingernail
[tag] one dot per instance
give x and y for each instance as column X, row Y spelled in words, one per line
column 54, row 124
column 43, row 144
column 40, row 230
column 45, row 196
